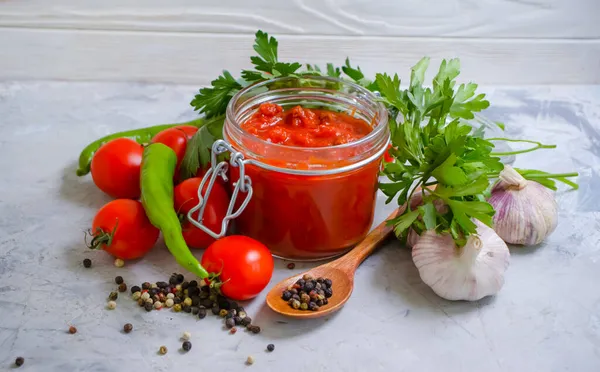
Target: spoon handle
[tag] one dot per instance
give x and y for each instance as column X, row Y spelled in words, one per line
column 363, row 249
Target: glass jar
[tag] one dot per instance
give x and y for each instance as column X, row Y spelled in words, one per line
column 304, row 203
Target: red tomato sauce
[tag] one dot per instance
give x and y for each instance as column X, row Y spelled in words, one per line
column 304, row 127
column 302, row 216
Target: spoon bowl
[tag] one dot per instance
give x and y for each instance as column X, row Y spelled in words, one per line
column 340, row 271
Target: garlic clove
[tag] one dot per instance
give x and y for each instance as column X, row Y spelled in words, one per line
column 468, row 273
column 526, row 211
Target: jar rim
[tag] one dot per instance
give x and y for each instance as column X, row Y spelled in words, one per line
column 381, row 111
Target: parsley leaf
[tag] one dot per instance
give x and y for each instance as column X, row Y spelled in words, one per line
column 213, row 101
column 198, row 150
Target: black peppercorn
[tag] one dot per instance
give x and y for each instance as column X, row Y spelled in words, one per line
column 173, row 279
column 148, row 306
column 146, row 285
column 135, row 288
column 255, row 329
column 286, row 295
column 224, row 304
column 127, row 327
column 293, row 291
column 19, row 361
column 186, row 309
column 246, row 321
column 319, row 303
column 187, row 346
column 119, row 279
column 313, row 307
column 205, row 288
column 325, row 301
column 153, row 291
column 207, row 303
column 184, row 285
column 87, row 263
column 270, row 347
column 113, row 296
column 240, row 309
column 215, row 310
column 193, row 283
column 229, row 323
column 195, row 301
column 320, row 280
column 237, row 320
column 203, row 295
column 122, row 287
column 202, row 313
column 301, row 282
column 309, row 285
column 193, row 292
column 180, row 278
column 327, row 283
column 295, row 297
column 328, row 292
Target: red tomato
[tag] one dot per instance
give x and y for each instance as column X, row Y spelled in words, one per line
column 186, row 197
column 245, row 264
column 116, row 168
column 132, row 233
column 176, row 138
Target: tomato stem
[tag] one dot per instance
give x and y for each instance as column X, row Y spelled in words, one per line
column 101, row 237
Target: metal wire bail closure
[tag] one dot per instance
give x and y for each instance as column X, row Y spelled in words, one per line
column 244, row 184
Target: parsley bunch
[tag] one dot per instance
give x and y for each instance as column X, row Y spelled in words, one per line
column 434, row 146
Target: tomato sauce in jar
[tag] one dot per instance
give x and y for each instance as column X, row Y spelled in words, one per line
column 313, row 165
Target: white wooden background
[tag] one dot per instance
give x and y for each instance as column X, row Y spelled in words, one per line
column 191, row 41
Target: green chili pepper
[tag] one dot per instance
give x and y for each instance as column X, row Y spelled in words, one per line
column 158, row 168
column 141, row 136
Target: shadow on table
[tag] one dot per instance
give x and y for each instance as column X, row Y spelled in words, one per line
column 81, row 190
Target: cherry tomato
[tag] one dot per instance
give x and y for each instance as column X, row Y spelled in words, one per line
column 186, row 197
column 116, row 168
column 245, row 264
column 176, row 138
column 122, row 229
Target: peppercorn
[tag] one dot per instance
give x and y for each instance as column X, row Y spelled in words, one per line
column 186, row 309
column 170, row 295
column 150, row 301
column 146, row 285
column 163, row 350
column 237, row 320
column 148, row 306
column 304, row 306
column 178, row 288
column 233, row 330
column 113, row 296
column 327, row 283
column 187, row 301
column 19, row 361
column 187, row 346
column 119, row 262
column 112, row 305
column 186, row 336
column 145, row 296
column 286, row 295
column 161, row 297
column 195, row 310
column 233, row 312
column 162, row 284
column 215, row 310
column 155, row 298
column 202, row 313
column 304, row 298
column 294, row 291
column 254, row 329
column 270, row 347
column 313, row 306
column 184, row 286
column 177, row 300
column 242, row 314
column 72, row 330
column 136, row 296
column 208, row 303
column 291, row 266
column 223, row 313
column 177, row 308
column 246, row 321
column 141, row 302
column 122, row 287
column 153, row 291
column 309, row 286
column 193, row 283
column 307, row 277
column 320, row 280
column 224, row 304
column 318, row 286
column 153, row 285
column 229, row 323
column 169, row 302
column 328, row 292
column 119, row 279
column 203, row 295
column 87, row 263
column 319, row 303
column 301, row 282
column 158, row 305
column 195, row 301
column 127, row 328
column 173, row 279
column 295, row 304
column 296, row 297
column 250, row 360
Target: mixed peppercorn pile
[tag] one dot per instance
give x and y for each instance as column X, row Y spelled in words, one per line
column 308, row 293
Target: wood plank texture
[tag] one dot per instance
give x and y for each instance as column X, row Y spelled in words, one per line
column 191, row 41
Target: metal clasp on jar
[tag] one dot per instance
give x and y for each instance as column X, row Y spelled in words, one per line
column 244, row 184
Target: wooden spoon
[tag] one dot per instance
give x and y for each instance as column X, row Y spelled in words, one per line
column 340, row 271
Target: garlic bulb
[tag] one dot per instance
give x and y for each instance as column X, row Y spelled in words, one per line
column 468, row 273
column 526, row 212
